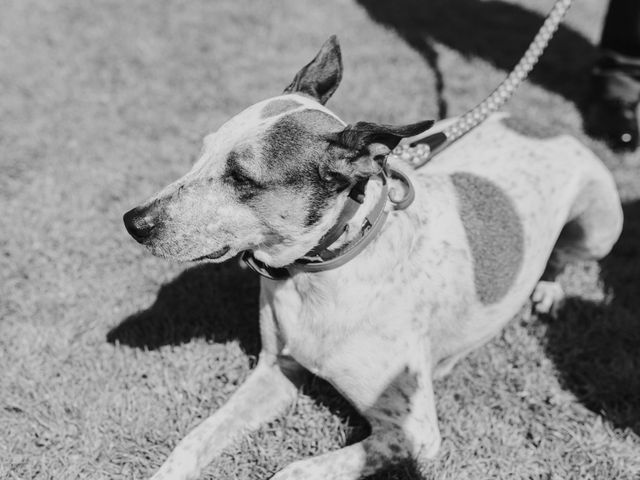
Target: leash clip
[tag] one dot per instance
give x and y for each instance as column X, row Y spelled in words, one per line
column 400, row 203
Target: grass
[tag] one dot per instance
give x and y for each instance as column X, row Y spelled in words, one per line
column 109, row 356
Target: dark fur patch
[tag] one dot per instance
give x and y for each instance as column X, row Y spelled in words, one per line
column 294, row 148
column 494, row 232
column 279, row 106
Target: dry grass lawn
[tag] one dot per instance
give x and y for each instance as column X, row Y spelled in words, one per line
column 109, row 355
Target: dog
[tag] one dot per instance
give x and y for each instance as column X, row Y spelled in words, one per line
column 496, row 216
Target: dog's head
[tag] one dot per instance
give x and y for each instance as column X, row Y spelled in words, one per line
column 273, row 179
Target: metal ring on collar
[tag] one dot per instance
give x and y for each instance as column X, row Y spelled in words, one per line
column 410, row 195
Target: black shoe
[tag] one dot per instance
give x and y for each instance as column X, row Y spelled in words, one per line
column 615, row 122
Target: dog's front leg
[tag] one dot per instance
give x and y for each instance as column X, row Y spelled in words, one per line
column 403, row 426
column 417, row 438
column 264, row 395
column 351, row 462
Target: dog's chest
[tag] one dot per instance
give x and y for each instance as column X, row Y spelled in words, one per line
column 323, row 323
column 308, row 322
column 370, row 314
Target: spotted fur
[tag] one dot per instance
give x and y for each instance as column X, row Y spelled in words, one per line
column 440, row 279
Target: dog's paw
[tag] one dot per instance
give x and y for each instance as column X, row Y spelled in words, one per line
column 547, row 298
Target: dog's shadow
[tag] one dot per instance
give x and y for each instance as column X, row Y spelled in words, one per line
column 596, row 345
column 496, row 31
column 214, row 302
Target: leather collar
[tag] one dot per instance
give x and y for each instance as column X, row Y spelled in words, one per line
column 321, row 257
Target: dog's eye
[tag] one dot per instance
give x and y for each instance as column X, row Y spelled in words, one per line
column 241, row 179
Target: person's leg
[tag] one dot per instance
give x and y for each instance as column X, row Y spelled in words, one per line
column 615, row 81
column 621, row 32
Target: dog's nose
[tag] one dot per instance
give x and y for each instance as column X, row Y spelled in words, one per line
column 140, row 223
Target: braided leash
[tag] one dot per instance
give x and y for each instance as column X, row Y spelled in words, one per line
column 421, row 151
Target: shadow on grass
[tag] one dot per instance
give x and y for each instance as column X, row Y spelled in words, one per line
column 216, row 302
column 495, row 31
column 596, row 346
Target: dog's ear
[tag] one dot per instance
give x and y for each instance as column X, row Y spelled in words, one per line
column 320, row 77
column 362, row 149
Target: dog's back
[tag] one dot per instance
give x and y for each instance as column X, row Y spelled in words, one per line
column 508, row 204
